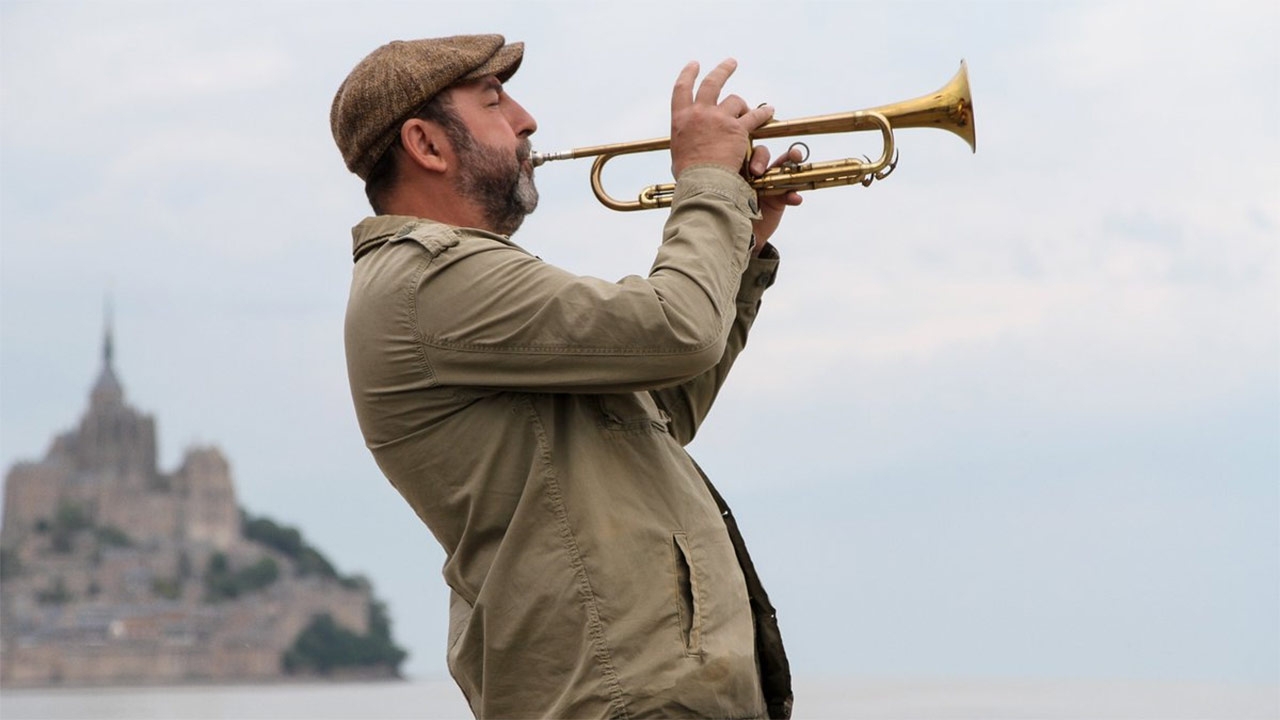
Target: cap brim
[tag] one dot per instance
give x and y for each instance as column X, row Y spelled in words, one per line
column 503, row 64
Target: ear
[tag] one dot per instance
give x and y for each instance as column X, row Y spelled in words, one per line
column 426, row 144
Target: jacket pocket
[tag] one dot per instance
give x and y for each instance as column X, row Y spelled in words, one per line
column 687, row 601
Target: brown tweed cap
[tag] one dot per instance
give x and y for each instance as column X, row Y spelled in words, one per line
column 395, row 80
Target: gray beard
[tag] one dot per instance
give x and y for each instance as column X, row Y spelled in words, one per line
column 498, row 183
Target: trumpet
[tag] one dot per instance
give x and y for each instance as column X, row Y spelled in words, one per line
column 949, row 108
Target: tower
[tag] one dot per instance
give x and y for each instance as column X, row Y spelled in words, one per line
column 115, row 444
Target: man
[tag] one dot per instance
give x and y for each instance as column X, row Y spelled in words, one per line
column 535, row 420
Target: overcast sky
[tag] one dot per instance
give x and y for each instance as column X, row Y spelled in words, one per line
column 1013, row 413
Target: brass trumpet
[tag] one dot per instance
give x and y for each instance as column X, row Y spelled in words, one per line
column 949, row 108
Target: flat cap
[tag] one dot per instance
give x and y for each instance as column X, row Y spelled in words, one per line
column 397, row 79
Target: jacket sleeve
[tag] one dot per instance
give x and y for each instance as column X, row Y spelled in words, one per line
column 688, row 403
column 490, row 315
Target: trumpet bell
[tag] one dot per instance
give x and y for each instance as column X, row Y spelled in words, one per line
column 949, row 108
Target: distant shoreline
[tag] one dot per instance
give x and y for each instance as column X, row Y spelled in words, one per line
column 345, row 678
column 826, row 697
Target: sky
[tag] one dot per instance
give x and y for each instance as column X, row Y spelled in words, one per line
column 1005, row 414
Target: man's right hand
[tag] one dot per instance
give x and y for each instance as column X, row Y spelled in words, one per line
column 705, row 129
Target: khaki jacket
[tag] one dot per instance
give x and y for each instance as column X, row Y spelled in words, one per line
column 535, row 421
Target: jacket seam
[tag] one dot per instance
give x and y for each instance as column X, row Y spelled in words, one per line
column 728, row 186
column 696, row 190
column 411, row 301
column 595, row 626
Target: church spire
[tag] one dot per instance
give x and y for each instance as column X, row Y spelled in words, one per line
column 108, row 347
column 107, row 391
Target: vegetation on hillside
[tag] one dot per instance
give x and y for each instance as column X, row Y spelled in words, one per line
column 307, row 560
column 324, row 647
column 223, row 583
column 69, row 520
column 10, row 563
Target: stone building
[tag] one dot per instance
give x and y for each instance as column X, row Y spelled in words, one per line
column 115, row 572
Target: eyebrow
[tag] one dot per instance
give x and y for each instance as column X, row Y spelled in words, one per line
column 492, row 83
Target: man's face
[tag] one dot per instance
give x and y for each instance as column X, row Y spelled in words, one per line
column 494, row 168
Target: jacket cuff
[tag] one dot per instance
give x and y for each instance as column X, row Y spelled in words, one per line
column 718, row 180
column 761, row 273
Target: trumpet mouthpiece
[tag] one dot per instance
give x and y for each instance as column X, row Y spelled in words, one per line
column 538, row 158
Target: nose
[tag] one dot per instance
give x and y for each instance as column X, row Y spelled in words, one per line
column 520, row 119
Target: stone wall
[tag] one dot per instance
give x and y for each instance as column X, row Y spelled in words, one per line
column 134, row 663
column 157, row 643
column 210, row 514
column 31, row 491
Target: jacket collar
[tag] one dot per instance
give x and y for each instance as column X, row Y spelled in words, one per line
column 374, row 231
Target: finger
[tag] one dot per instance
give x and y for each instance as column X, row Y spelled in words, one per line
column 735, row 106
column 792, row 155
column 791, row 198
column 756, row 117
column 713, row 83
column 682, row 93
column 759, row 160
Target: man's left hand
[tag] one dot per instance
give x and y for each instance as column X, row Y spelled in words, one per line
column 771, row 206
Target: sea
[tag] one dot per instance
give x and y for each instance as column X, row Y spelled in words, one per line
column 818, row 699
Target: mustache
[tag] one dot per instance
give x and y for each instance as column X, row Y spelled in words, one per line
column 524, row 150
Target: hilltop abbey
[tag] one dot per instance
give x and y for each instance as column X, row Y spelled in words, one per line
column 112, row 571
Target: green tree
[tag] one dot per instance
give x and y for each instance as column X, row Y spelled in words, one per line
column 223, row 583
column 56, row 595
column 324, row 646
column 167, row 588
column 10, row 564
column 70, row 519
column 307, row 560
column 112, row 536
